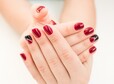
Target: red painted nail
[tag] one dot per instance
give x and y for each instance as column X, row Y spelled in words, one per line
column 40, row 8
column 23, row 56
column 88, row 31
column 92, row 49
column 53, row 22
column 29, row 39
column 48, row 29
column 78, row 26
column 94, row 38
column 36, row 32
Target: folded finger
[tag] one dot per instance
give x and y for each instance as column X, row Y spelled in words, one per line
column 31, row 67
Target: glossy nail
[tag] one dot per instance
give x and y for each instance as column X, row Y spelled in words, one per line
column 36, row 32
column 78, row 26
column 53, row 22
column 29, row 39
column 92, row 49
column 94, row 38
column 40, row 8
column 23, row 56
column 88, row 31
column 48, row 29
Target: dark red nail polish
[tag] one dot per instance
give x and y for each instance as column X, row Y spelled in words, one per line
column 94, row 38
column 48, row 29
column 40, row 8
column 88, row 31
column 92, row 49
column 78, row 26
column 53, row 22
column 23, row 56
column 36, row 32
column 29, row 39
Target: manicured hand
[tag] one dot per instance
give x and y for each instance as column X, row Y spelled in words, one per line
column 53, row 61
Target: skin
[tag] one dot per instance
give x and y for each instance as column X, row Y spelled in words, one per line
column 62, row 65
column 81, row 42
column 10, row 9
column 79, row 11
column 25, row 18
column 37, row 67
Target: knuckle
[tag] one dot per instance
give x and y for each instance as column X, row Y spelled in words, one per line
column 84, row 58
column 79, row 36
column 67, row 30
column 85, row 44
column 76, row 49
column 66, row 55
column 53, row 62
column 33, row 49
column 54, row 38
column 42, row 68
column 42, row 42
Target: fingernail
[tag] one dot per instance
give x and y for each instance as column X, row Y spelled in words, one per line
column 53, row 22
column 40, row 8
column 78, row 26
column 88, row 31
column 29, row 39
column 23, row 56
column 48, row 29
column 94, row 38
column 36, row 32
column 92, row 49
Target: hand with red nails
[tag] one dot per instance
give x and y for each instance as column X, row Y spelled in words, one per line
column 78, row 38
column 53, row 60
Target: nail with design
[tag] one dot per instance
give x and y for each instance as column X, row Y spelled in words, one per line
column 29, row 39
column 94, row 38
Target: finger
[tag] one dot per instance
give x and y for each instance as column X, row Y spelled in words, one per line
column 80, row 36
column 84, row 45
column 39, row 60
column 64, row 51
column 31, row 67
column 40, row 14
column 70, row 28
column 51, row 57
column 46, row 19
column 23, row 43
column 86, row 54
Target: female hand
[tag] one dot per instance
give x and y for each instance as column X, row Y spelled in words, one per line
column 54, row 60
column 72, row 31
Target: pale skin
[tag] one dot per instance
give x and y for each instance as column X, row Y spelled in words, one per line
column 22, row 23
column 55, row 62
column 38, row 66
column 10, row 9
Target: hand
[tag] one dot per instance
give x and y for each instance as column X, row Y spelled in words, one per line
column 84, row 38
column 56, row 62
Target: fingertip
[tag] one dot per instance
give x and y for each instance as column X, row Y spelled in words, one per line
column 23, row 56
column 92, row 49
column 39, row 11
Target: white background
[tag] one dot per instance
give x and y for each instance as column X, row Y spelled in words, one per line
column 13, row 70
